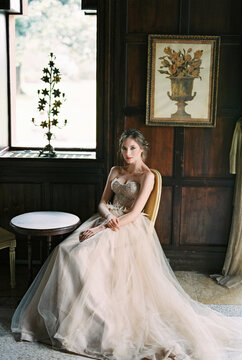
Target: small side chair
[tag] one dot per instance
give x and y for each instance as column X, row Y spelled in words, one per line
column 152, row 206
column 8, row 240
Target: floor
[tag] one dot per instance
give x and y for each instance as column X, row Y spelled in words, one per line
column 199, row 286
column 203, row 289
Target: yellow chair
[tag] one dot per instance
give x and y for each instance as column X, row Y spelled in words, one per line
column 152, row 206
column 7, row 239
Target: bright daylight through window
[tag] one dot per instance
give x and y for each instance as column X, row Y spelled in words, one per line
column 60, row 27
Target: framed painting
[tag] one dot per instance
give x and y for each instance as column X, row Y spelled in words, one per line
column 182, row 77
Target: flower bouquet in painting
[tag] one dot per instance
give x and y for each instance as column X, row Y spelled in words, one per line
column 182, row 68
column 50, row 101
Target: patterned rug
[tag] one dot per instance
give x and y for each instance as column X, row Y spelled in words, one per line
column 12, row 350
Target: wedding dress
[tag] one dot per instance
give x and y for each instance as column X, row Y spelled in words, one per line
column 114, row 296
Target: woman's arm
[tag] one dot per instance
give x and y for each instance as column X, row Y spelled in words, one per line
column 107, row 193
column 112, row 221
column 146, row 186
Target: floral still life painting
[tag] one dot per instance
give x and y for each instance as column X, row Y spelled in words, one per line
column 49, row 103
column 181, row 80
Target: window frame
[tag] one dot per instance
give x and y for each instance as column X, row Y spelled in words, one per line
column 100, row 78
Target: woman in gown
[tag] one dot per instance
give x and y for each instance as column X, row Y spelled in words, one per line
column 108, row 292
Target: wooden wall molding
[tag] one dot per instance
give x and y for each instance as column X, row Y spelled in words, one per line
column 197, row 185
column 199, row 157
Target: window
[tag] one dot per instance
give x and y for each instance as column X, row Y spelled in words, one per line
column 4, row 84
column 60, row 27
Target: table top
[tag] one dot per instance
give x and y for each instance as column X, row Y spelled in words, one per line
column 45, row 223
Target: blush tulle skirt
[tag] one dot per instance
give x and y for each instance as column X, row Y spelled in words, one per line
column 114, row 296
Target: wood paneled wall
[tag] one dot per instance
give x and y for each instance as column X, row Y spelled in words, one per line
column 196, row 206
column 71, row 186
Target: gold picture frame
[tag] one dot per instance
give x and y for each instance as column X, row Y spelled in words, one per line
column 182, row 78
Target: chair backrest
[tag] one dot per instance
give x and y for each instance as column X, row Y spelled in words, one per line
column 152, row 206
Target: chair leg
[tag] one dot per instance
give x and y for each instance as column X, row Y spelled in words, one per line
column 12, row 265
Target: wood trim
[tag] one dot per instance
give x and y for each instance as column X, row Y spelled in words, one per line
column 203, row 261
column 110, row 90
column 104, row 79
column 100, row 83
column 11, row 54
column 184, row 17
column 178, row 163
column 19, row 7
column 24, row 7
column 52, row 232
column 102, row 118
column 120, row 67
column 11, row 74
column 89, row 4
column 16, row 148
column 11, row 7
column 177, row 189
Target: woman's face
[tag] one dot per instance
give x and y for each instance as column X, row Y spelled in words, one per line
column 131, row 151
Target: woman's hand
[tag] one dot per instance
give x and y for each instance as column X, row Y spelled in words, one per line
column 89, row 233
column 112, row 222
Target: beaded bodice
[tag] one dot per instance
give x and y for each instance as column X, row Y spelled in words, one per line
column 124, row 194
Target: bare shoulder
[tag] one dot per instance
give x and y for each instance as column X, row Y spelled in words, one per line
column 114, row 171
column 148, row 177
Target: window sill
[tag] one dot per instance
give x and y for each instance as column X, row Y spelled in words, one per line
column 34, row 154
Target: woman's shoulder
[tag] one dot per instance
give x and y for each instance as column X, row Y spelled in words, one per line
column 115, row 171
column 147, row 176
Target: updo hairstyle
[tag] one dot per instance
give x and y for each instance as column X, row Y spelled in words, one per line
column 138, row 137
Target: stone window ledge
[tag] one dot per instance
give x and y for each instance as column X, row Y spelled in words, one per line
column 34, row 154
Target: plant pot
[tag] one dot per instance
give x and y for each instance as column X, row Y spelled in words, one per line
column 181, row 89
column 48, row 150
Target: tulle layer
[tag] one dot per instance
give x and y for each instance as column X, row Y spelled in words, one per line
column 114, row 296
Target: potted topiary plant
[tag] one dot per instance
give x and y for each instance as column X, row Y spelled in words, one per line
column 50, row 101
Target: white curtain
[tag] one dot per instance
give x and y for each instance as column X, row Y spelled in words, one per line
column 232, row 269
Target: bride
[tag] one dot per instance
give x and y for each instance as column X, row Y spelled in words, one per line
column 108, row 292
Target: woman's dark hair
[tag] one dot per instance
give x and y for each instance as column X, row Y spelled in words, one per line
column 138, row 137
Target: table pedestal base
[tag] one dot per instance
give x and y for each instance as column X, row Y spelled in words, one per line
column 30, row 257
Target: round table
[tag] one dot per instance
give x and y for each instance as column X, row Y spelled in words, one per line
column 43, row 223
